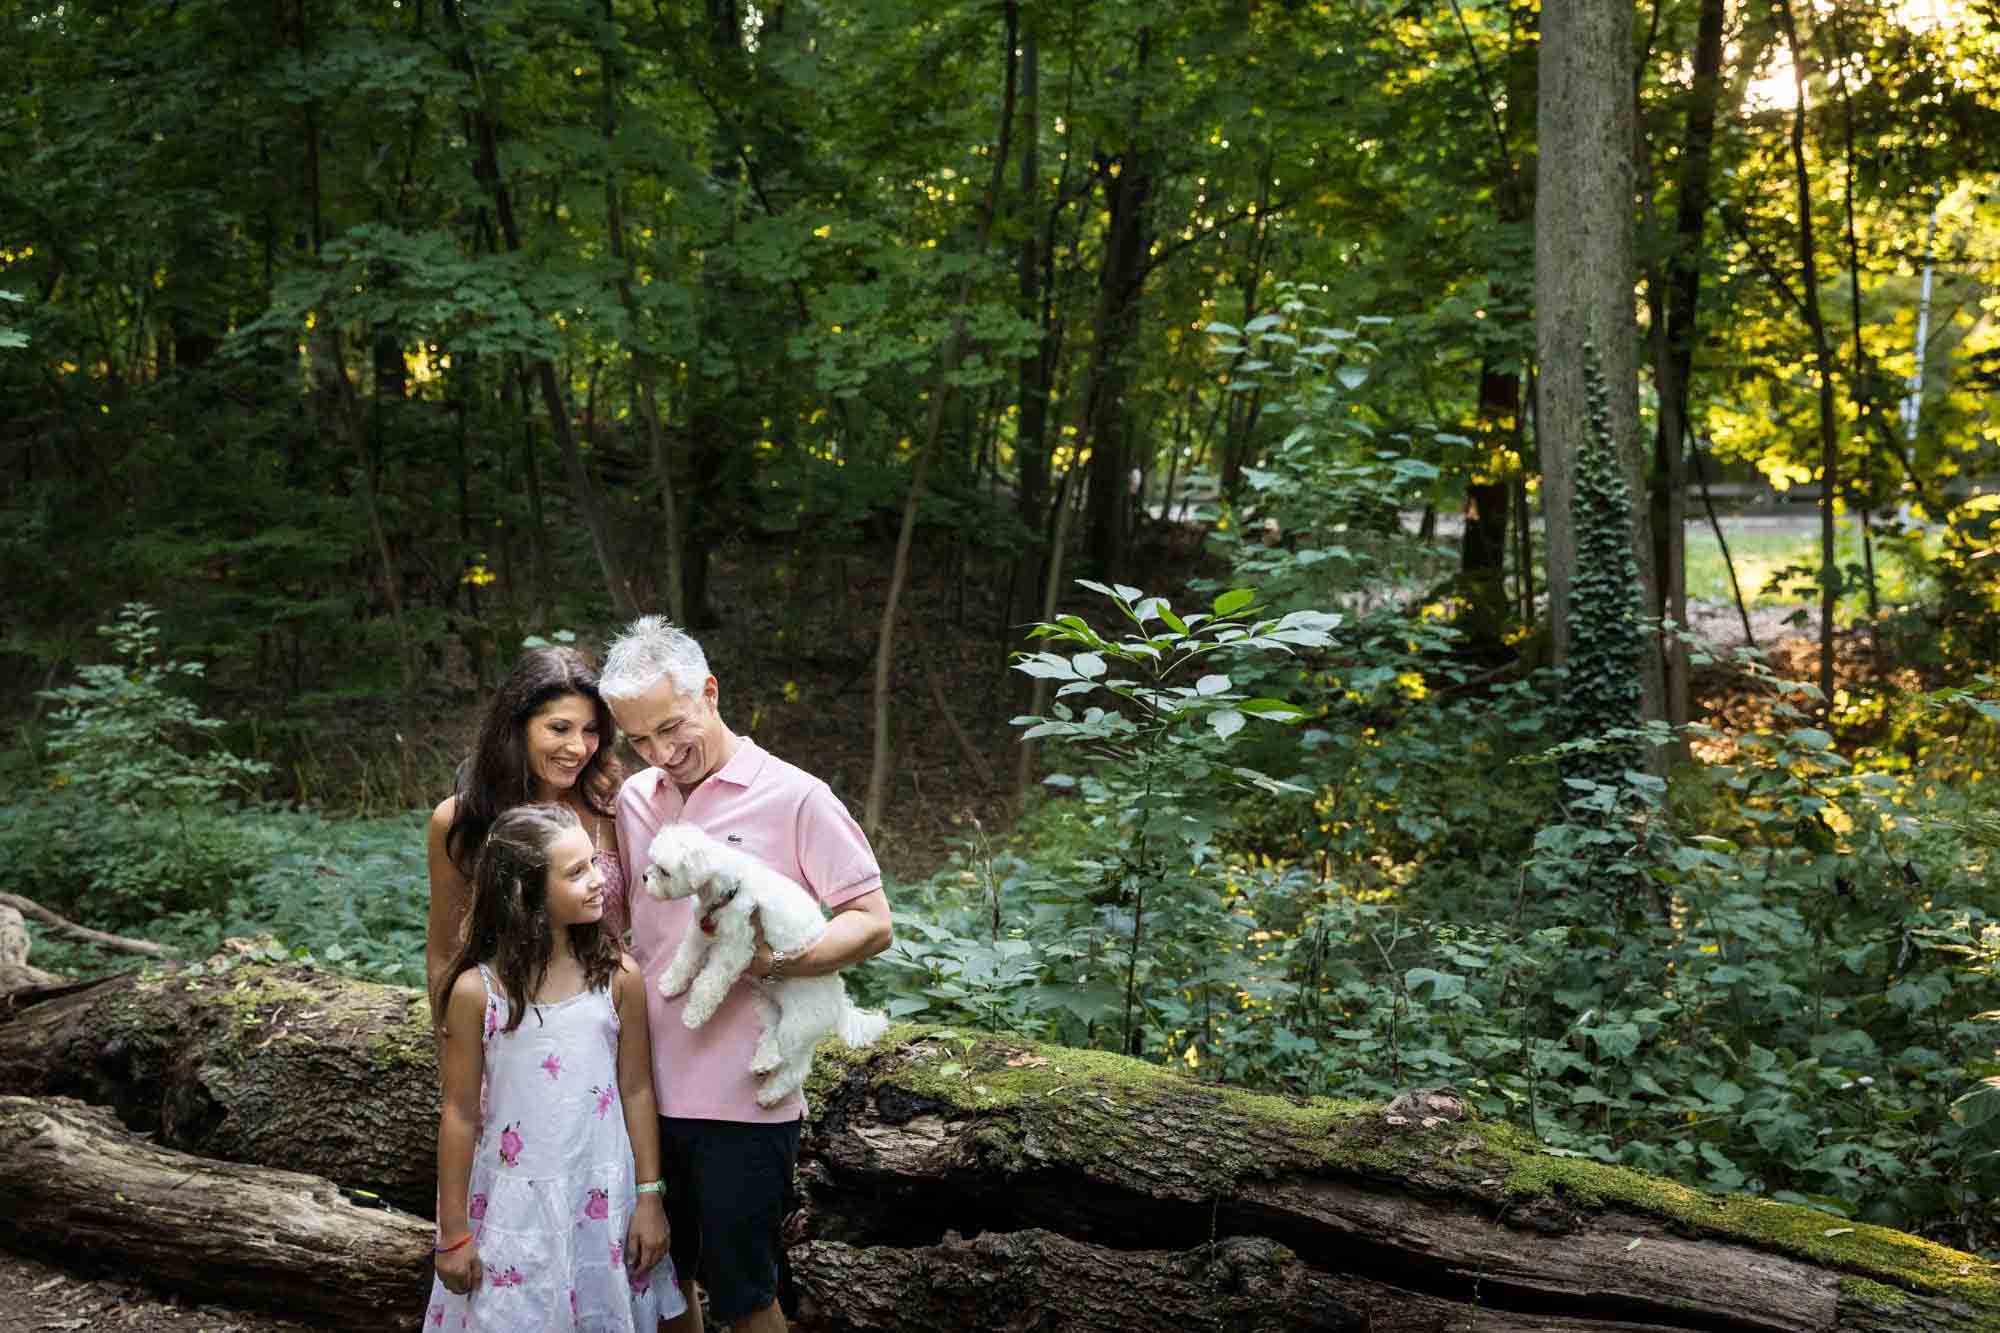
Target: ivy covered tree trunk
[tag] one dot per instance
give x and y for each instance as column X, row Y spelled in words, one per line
column 976, row 1182
column 1601, row 690
column 1584, row 272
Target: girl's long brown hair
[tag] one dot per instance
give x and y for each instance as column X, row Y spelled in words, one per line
column 497, row 776
column 508, row 928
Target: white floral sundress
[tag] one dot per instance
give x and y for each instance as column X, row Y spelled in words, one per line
column 551, row 1192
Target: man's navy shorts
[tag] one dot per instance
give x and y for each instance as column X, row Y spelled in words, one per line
column 728, row 1186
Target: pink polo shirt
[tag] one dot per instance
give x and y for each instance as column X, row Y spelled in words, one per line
column 791, row 821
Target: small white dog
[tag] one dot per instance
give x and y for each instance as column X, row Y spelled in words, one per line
column 729, row 887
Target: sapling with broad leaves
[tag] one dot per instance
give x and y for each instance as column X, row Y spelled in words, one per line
column 1162, row 735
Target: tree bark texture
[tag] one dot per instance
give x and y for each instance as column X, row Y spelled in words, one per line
column 1584, row 269
column 81, row 1188
column 16, row 972
column 1829, row 446
column 972, row 1182
column 1482, row 552
column 285, row 1066
column 486, row 169
column 1128, row 189
column 1674, row 367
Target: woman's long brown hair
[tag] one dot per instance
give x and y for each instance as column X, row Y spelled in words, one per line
column 508, row 928
column 497, row 776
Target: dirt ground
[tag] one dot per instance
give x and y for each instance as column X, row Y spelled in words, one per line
column 35, row 1298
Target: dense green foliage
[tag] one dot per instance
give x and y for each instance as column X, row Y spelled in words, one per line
column 276, row 358
column 366, row 340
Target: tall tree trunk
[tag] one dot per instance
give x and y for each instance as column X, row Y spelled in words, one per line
column 1583, row 279
column 644, row 364
column 338, row 396
column 943, row 391
column 717, row 437
column 1240, row 411
column 1128, row 189
column 1829, row 455
column 1024, row 769
column 486, row 169
column 1031, row 445
column 531, row 476
column 1864, row 394
column 1674, row 362
column 1482, row 554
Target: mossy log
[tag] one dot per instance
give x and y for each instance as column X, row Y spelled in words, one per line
column 77, row 1186
column 282, row 1065
column 983, row 1182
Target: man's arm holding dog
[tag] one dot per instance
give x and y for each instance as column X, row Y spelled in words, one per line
column 860, row 929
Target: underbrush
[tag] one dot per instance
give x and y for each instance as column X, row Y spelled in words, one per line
column 351, row 893
column 1769, row 975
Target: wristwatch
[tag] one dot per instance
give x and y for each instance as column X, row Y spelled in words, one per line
column 778, row 960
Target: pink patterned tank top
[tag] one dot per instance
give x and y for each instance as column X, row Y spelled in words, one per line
column 617, row 912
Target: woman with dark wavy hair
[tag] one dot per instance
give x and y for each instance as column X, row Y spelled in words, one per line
column 546, row 737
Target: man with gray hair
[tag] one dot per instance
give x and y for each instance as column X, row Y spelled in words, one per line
column 727, row 1162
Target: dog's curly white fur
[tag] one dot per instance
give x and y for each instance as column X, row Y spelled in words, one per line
column 730, row 886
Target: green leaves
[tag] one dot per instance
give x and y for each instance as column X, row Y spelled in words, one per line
column 9, row 337
column 124, row 735
column 1978, row 1111
column 1233, row 601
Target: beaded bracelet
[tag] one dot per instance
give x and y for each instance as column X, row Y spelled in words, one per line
column 458, row 1244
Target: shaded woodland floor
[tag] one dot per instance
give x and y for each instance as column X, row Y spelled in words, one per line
column 36, row 1298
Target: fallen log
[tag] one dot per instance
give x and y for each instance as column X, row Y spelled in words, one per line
column 78, row 1188
column 16, row 972
column 1102, row 1193
column 248, row 1061
column 62, row 925
column 981, row 1182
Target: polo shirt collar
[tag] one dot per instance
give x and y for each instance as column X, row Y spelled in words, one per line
column 741, row 770
column 743, row 766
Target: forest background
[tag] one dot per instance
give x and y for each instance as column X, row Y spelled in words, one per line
column 1240, row 346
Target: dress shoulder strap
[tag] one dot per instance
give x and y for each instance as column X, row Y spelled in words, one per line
column 495, row 1016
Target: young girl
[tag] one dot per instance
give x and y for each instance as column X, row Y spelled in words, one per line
column 546, row 736
column 543, row 1222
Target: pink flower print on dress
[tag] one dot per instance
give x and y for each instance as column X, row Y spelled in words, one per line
column 596, row 1205
column 552, row 1065
column 437, row 1316
column 510, row 1277
column 572, row 1305
column 617, row 1254
column 605, row 1096
column 492, row 1019
column 475, row 1207
column 641, row 1282
column 510, row 1144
